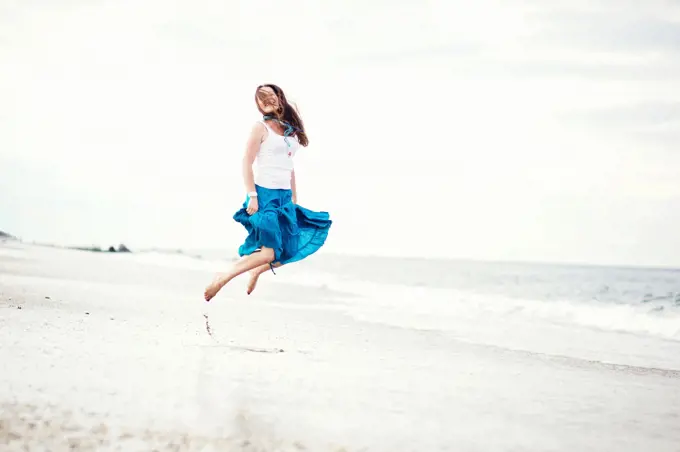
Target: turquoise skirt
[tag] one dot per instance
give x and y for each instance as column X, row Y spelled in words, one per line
column 292, row 231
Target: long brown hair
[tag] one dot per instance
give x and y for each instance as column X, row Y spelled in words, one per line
column 286, row 113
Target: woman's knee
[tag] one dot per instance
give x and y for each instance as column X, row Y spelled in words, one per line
column 268, row 254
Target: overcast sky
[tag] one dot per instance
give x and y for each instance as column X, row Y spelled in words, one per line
column 537, row 130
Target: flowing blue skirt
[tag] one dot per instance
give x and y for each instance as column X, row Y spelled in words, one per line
column 292, row 231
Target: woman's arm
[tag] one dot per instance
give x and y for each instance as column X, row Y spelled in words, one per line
column 252, row 146
column 293, row 187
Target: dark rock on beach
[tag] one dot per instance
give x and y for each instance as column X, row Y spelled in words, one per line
column 121, row 249
column 111, row 249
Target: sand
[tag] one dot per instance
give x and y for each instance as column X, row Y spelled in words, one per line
column 107, row 352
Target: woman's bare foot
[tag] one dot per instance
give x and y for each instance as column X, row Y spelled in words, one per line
column 246, row 263
column 220, row 281
column 254, row 275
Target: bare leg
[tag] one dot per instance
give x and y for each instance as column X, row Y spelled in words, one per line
column 262, row 257
column 255, row 274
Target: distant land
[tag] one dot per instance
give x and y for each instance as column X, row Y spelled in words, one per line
column 111, row 249
column 6, row 236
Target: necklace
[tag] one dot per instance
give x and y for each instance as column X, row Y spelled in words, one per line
column 289, row 128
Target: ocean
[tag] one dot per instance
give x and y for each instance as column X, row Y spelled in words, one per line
column 611, row 314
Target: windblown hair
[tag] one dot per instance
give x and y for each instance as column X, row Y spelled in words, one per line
column 286, row 112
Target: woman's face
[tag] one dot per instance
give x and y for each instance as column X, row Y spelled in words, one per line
column 267, row 100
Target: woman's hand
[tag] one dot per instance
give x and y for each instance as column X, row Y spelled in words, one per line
column 252, row 206
column 294, row 198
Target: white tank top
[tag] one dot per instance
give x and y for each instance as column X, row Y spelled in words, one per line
column 274, row 160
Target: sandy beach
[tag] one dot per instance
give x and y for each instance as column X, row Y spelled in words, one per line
column 107, row 351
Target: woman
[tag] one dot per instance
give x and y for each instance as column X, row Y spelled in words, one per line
column 279, row 230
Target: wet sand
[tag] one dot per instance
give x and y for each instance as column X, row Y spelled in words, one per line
column 103, row 352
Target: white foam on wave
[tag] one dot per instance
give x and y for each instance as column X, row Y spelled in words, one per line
column 625, row 334
column 434, row 308
column 628, row 318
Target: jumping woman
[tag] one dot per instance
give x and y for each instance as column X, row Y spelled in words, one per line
column 279, row 230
